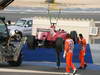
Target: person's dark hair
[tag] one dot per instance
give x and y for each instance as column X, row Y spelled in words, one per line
column 9, row 22
column 80, row 35
column 68, row 35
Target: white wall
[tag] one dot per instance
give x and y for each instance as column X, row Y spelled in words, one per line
column 79, row 25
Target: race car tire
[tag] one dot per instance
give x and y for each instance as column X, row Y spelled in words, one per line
column 16, row 63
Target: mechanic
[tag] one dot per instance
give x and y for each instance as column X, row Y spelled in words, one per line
column 9, row 22
column 53, row 26
column 68, row 53
column 82, row 45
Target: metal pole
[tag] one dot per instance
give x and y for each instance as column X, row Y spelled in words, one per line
column 49, row 14
column 58, row 16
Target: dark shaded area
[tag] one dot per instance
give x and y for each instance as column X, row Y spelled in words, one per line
column 50, row 1
column 5, row 3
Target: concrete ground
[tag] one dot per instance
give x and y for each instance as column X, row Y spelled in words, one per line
column 45, row 68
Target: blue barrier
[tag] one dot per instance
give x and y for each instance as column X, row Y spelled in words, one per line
column 49, row 54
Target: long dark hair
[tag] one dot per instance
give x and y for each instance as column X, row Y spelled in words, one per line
column 80, row 35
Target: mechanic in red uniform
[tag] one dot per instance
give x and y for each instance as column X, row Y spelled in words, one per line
column 68, row 53
column 82, row 44
column 53, row 26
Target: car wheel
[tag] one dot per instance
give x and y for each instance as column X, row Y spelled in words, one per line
column 16, row 63
column 18, row 36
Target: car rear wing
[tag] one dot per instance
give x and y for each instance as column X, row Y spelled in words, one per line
column 43, row 30
column 5, row 3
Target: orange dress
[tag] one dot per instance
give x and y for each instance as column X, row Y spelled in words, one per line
column 69, row 45
column 82, row 43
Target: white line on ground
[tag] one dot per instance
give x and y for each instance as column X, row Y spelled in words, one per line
column 32, row 71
